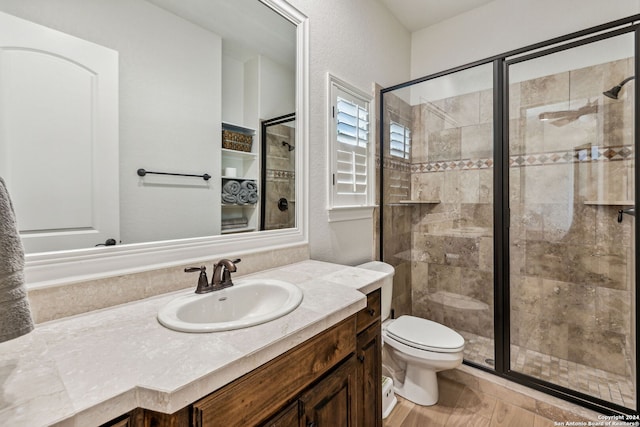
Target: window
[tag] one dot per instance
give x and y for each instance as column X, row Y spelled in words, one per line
column 350, row 146
column 400, row 141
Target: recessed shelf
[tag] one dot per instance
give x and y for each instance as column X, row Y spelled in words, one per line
column 415, row 202
column 238, row 178
column 610, row 202
column 247, row 168
column 240, row 155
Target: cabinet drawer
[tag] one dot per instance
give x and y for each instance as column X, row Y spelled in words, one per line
column 371, row 313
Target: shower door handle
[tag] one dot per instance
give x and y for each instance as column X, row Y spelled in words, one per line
column 628, row 211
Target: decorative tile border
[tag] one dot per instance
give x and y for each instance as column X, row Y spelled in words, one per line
column 276, row 173
column 451, row 165
column 595, row 154
column 394, row 164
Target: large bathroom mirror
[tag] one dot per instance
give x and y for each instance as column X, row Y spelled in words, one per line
column 115, row 115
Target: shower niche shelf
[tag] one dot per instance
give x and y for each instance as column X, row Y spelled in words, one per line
column 415, row 202
column 609, row 202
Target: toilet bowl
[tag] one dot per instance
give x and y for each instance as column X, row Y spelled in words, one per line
column 419, row 348
column 414, row 349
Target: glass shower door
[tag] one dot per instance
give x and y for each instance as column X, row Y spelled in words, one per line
column 571, row 253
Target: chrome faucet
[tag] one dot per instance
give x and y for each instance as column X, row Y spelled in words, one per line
column 221, row 276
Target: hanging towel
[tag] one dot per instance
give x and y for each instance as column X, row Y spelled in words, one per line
column 15, row 314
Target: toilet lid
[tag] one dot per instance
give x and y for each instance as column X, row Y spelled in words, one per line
column 425, row 334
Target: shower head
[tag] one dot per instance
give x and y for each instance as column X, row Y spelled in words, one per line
column 614, row 91
column 289, row 146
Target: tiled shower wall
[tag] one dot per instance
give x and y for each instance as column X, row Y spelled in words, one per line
column 570, row 261
column 452, row 164
column 397, row 221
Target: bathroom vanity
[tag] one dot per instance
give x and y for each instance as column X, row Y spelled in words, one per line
column 332, row 379
column 318, row 365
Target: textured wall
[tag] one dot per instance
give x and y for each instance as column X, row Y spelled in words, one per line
column 360, row 42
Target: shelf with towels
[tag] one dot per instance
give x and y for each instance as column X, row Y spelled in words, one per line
column 243, row 167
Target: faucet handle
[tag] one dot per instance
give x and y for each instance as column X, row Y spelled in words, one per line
column 203, row 282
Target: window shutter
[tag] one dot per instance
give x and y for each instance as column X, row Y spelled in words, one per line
column 400, row 141
column 352, row 145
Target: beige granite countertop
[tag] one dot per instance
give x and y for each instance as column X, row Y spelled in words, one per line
column 88, row 369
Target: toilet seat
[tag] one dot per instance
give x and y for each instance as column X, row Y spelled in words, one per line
column 425, row 335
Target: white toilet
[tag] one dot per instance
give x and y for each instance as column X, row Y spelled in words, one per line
column 414, row 349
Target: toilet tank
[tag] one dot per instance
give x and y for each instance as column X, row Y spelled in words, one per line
column 387, row 284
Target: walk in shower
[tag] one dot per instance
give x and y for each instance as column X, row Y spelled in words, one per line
column 508, row 191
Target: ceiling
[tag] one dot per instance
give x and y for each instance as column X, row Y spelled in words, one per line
column 418, row 14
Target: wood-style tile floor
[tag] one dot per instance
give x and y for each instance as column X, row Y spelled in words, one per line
column 459, row 405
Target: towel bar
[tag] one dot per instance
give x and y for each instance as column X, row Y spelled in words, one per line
column 143, row 172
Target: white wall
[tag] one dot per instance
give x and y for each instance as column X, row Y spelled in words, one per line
column 505, row 25
column 269, row 91
column 169, row 113
column 232, row 90
column 277, row 89
column 360, row 42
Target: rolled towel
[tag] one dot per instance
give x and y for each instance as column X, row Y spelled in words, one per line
column 231, row 187
column 249, row 185
column 15, row 313
column 253, row 197
column 229, row 198
column 243, row 197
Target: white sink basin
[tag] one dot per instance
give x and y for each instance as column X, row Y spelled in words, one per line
column 246, row 303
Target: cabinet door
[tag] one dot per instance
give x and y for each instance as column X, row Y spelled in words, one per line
column 134, row 418
column 369, row 406
column 288, row 417
column 332, row 402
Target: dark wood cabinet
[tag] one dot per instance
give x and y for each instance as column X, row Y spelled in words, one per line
column 369, row 370
column 332, row 402
column 369, row 366
column 288, row 417
column 258, row 395
column 331, row 380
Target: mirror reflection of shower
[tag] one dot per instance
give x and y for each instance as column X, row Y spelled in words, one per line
column 277, row 209
column 289, row 146
column 614, row 91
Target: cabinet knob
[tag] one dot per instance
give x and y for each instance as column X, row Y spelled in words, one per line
column 372, row 312
column 361, row 358
column 311, row 424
